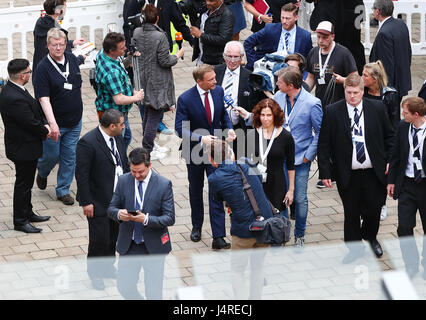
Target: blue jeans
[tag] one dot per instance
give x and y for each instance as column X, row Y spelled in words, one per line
column 126, row 133
column 62, row 152
column 301, row 197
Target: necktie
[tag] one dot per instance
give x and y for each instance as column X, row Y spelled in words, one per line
column 137, row 226
column 207, row 106
column 229, row 84
column 115, row 152
column 287, row 41
column 359, row 146
column 416, row 155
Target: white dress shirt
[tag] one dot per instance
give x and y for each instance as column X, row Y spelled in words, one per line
column 201, row 92
column 409, row 172
column 22, row 87
column 381, row 24
column 355, row 164
column 291, row 41
column 235, row 84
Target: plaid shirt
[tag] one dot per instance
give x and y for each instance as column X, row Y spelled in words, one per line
column 112, row 79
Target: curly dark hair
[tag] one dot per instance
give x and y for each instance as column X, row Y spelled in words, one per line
column 277, row 113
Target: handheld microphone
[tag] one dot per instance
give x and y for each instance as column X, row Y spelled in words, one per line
column 179, row 39
column 229, row 101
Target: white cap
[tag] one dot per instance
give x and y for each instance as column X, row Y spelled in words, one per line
column 325, row 27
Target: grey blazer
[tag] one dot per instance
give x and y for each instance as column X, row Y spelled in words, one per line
column 158, row 202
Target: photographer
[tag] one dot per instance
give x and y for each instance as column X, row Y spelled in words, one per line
column 168, row 11
column 155, row 73
column 213, row 30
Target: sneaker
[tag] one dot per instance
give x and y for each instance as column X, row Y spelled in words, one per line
column 162, row 128
column 67, row 199
column 157, row 155
column 299, row 242
column 320, row 185
column 159, row 148
column 383, row 213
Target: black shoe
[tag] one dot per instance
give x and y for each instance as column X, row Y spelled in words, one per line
column 195, row 234
column 377, row 249
column 41, row 182
column 36, row 218
column 67, row 199
column 220, row 243
column 27, row 228
column 98, row 283
column 320, row 185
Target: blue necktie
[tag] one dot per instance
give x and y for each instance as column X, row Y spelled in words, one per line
column 287, row 38
column 416, row 155
column 115, row 152
column 359, row 146
column 137, row 226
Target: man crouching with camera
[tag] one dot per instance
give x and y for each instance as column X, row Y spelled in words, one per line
column 155, row 73
column 226, row 185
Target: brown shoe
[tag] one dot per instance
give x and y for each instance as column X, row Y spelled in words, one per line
column 67, row 199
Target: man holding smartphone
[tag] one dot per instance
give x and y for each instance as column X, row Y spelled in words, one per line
column 143, row 205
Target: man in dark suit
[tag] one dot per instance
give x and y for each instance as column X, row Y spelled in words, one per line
column 285, row 37
column 24, row 130
column 200, row 118
column 407, row 180
column 355, row 140
column 143, row 205
column 100, row 159
column 234, row 79
column 392, row 46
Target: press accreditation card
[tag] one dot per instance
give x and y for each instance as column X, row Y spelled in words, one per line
column 67, row 86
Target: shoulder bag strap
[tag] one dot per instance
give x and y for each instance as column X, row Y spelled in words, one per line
column 247, row 188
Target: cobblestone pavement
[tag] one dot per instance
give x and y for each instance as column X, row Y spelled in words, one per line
column 66, row 233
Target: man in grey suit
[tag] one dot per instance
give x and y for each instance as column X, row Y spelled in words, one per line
column 143, row 205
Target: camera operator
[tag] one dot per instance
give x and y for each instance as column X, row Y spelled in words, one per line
column 213, row 30
column 168, row 11
column 155, row 73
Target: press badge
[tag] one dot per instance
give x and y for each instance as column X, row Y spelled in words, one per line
column 67, row 86
column 165, row 238
column 321, row 81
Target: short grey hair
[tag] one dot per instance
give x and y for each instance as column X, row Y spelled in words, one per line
column 56, row 33
column 385, row 7
column 234, row 43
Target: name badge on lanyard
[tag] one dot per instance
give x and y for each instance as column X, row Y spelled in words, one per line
column 322, row 68
column 67, row 86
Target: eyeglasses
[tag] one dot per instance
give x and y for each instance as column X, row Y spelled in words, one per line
column 233, row 58
column 26, row 72
column 59, row 45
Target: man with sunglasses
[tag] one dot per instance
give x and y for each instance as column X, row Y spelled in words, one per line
column 24, row 130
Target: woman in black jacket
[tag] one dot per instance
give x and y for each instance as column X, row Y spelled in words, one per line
column 55, row 12
column 375, row 82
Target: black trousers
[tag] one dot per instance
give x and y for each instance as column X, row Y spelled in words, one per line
column 363, row 198
column 22, row 207
column 411, row 199
column 103, row 233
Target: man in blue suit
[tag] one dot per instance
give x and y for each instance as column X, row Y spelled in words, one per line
column 284, row 37
column 143, row 206
column 201, row 117
column 302, row 115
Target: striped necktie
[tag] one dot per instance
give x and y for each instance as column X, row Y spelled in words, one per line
column 229, row 84
column 287, row 41
column 137, row 226
column 416, row 155
column 359, row 146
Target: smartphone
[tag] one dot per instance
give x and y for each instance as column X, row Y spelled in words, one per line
column 133, row 213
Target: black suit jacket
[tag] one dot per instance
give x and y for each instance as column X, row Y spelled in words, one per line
column 335, row 141
column 95, row 170
column 392, row 46
column 24, row 124
column 399, row 159
column 244, row 91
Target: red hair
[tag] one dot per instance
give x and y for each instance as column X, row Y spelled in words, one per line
column 277, row 113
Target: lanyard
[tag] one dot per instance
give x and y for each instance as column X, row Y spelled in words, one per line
column 138, row 196
column 263, row 155
column 67, row 68
column 419, row 140
column 321, row 68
